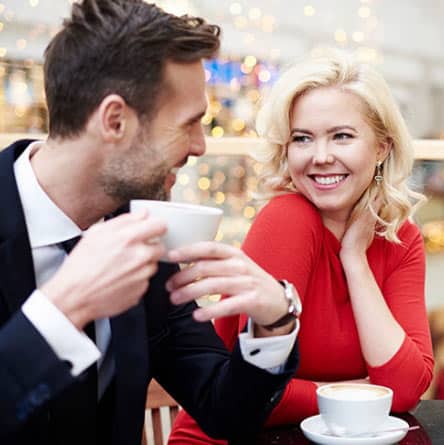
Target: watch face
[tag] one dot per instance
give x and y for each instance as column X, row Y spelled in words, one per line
column 294, row 306
column 293, row 298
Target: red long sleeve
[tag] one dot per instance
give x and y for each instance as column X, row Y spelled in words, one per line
column 289, row 240
column 409, row 371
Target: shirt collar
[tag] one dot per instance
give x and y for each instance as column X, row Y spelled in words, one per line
column 46, row 223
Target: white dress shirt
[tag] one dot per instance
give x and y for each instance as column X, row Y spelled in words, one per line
column 47, row 227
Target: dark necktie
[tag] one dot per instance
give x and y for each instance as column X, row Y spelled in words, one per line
column 67, row 246
column 106, row 368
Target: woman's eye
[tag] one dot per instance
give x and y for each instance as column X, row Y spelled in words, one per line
column 301, row 138
column 343, row 136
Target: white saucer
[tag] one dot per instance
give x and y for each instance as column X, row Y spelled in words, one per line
column 315, row 429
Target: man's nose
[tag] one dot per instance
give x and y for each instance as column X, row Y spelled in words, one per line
column 197, row 141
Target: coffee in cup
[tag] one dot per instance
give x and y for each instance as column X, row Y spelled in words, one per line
column 186, row 223
column 354, row 408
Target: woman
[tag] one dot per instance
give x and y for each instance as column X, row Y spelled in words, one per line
column 338, row 156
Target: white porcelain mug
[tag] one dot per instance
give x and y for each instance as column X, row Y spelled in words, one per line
column 186, row 223
column 353, row 408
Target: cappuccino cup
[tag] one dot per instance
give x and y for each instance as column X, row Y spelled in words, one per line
column 186, row 223
column 349, row 409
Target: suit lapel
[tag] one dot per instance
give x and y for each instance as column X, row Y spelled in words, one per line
column 130, row 349
column 17, row 278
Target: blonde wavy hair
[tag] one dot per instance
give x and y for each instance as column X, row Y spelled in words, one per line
column 335, row 68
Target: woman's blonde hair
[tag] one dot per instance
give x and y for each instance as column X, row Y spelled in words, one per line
column 339, row 69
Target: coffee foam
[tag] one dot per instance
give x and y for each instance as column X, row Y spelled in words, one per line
column 355, row 392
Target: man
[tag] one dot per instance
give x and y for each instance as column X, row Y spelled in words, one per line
column 125, row 91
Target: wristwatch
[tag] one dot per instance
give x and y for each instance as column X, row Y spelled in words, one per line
column 294, row 306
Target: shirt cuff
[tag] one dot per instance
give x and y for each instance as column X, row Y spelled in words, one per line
column 269, row 353
column 67, row 342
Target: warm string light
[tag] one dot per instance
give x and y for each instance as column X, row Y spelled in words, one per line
column 433, row 233
column 367, row 24
column 235, row 88
column 340, row 36
column 358, row 36
column 236, row 8
column 21, row 44
column 251, row 20
column 226, row 182
column 309, row 11
column 364, row 12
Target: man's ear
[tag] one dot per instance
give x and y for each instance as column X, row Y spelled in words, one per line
column 115, row 117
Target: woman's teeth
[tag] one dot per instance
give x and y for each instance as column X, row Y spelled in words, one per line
column 328, row 180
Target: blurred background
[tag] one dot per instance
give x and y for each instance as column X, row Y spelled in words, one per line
column 404, row 39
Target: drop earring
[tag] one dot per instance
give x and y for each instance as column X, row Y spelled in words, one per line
column 378, row 175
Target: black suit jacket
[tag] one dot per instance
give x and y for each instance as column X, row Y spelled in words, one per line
column 229, row 397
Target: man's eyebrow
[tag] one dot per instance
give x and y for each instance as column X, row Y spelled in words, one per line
column 195, row 118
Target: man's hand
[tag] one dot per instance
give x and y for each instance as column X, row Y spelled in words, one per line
column 109, row 269
column 220, row 269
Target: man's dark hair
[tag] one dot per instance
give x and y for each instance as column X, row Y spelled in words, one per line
column 117, row 46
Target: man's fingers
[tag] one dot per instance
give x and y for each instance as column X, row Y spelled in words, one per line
column 152, row 253
column 224, row 308
column 210, row 268
column 124, row 219
column 209, row 286
column 150, row 229
column 202, row 250
column 135, row 227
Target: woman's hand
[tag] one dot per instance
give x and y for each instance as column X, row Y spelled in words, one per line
column 359, row 235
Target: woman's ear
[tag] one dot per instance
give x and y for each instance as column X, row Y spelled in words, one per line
column 384, row 148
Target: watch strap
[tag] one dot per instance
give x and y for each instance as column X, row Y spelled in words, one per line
column 294, row 307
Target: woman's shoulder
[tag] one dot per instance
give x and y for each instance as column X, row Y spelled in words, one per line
column 410, row 239
column 289, row 216
column 409, row 232
column 409, row 235
column 291, row 204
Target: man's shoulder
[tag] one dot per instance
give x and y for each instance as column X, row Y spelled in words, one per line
column 10, row 153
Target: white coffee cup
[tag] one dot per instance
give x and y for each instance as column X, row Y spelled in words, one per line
column 186, row 223
column 353, row 408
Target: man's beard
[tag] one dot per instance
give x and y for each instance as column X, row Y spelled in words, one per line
column 124, row 190
column 122, row 180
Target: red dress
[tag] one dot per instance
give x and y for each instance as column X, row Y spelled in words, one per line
column 289, row 240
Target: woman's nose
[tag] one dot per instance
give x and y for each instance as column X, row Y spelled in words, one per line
column 322, row 155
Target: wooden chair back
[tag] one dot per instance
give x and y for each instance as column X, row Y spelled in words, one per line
column 157, row 397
